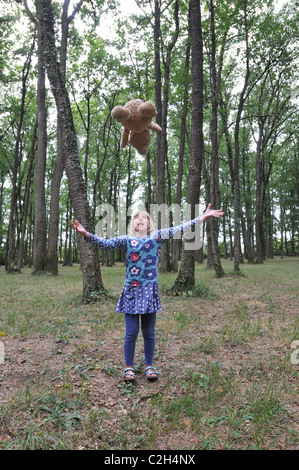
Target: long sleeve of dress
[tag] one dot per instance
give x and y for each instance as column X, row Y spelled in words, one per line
column 108, row 244
column 167, row 233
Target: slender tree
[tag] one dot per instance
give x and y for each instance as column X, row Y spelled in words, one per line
column 183, row 130
column 167, row 49
column 52, row 251
column 16, row 164
column 92, row 282
column 40, row 225
column 214, row 164
column 185, row 279
column 21, row 250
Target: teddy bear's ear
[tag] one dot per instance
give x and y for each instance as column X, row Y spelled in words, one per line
column 120, row 114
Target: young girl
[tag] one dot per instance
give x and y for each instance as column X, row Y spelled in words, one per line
column 140, row 294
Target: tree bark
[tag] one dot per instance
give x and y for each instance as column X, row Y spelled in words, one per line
column 185, row 279
column 160, row 163
column 166, row 55
column 20, row 257
column 52, row 251
column 177, row 243
column 92, row 282
column 246, row 219
column 214, row 165
column 236, row 180
column 10, row 255
column 160, row 154
column 40, row 227
column 258, row 215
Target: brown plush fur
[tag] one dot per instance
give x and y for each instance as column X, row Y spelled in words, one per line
column 136, row 118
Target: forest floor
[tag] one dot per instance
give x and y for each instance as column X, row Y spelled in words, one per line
column 229, row 378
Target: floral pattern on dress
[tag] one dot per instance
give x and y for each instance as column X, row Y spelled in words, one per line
column 149, row 274
column 134, row 271
column 149, row 260
column 140, row 293
column 148, row 245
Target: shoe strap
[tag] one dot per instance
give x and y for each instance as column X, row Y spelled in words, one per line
column 152, row 368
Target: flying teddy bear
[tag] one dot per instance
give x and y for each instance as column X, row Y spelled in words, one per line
column 136, row 118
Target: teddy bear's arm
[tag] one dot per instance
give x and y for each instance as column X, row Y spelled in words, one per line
column 119, row 113
column 124, row 138
column 154, row 127
column 148, row 109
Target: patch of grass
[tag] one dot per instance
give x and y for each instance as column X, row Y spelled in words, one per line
column 45, row 420
column 50, row 305
column 206, row 346
column 201, row 290
column 240, row 331
column 227, row 380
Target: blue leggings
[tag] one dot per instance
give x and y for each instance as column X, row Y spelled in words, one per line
column 148, row 331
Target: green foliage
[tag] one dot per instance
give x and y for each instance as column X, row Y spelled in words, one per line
column 103, row 71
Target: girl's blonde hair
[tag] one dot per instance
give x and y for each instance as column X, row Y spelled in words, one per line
column 151, row 225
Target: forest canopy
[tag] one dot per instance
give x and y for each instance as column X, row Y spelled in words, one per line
column 224, row 78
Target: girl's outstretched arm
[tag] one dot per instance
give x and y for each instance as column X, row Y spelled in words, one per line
column 103, row 243
column 166, row 233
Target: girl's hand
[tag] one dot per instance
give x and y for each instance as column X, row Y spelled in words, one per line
column 79, row 228
column 212, row 213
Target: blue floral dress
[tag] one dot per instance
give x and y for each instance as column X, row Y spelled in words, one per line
column 140, row 293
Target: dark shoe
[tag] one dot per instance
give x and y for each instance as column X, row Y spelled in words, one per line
column 151, row 373
column 129, row 374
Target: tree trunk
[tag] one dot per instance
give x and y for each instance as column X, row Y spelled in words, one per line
column 165, row 252
column 160, row 164
column 40, row 227
column 92, row 282
column 258, row 215
column 2, row 179
column 214, row 166
column 10, row 255
column 148, row 182
column 185, row 279
column 52, row 251
column 207, row 182
column 177, row 243
column 246, row 219
column 160, row 155
column 21, row 250
column 237, row 192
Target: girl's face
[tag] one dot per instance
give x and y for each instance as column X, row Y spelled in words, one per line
column 141, row 224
